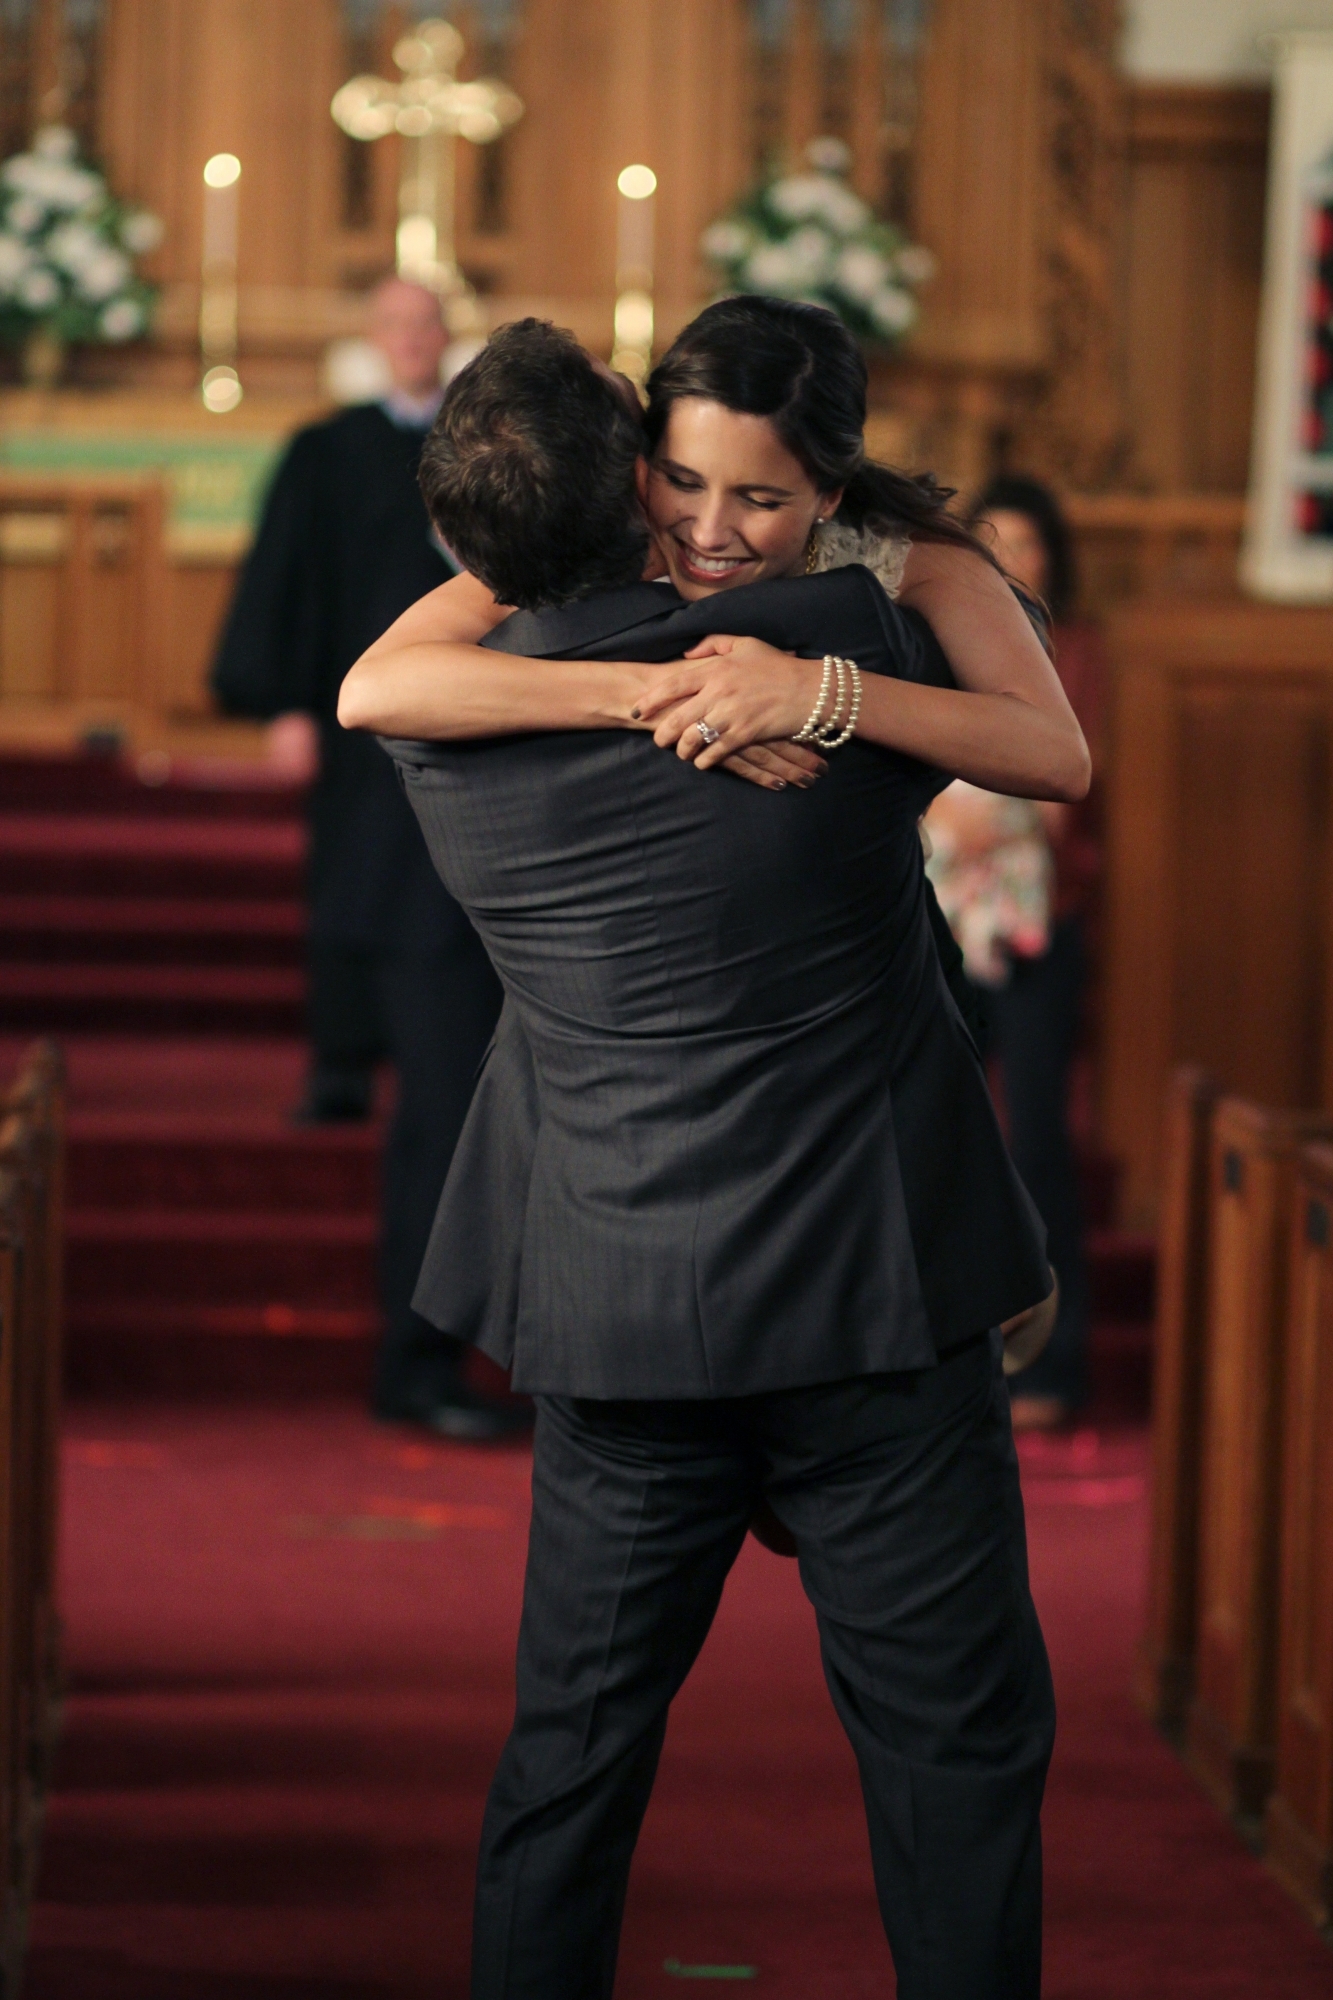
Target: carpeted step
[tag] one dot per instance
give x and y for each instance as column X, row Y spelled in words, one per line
column 153, row 999
column 59, row 855
column 275, row 1352
column 171, row 1256
column 149, row 786
column 143, row 1161
column 152, row 930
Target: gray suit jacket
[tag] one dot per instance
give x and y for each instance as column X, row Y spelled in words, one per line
column 732, row 1135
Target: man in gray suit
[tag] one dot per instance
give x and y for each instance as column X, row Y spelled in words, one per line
column 732, row 1202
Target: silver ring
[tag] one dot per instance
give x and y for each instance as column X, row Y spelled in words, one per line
column 709, row 735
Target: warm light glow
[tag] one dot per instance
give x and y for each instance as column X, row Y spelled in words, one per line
column 634, row 321
column 222, row 171
column 221, row 390
column 417, row 243
column 637, row 183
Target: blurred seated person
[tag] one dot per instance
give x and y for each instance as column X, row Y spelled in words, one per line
column 1015, row 880
column 343, row 548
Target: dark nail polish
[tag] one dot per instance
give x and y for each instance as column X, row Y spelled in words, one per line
column 779, row 784
column 634, row 715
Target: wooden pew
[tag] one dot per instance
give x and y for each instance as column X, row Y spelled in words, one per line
column 1231, row 1720
column 1299, row 1819
column 1165, row 1679
column 31, row 1256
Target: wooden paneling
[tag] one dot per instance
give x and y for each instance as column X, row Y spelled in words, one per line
column 1218, row 934
column 605, row 82
column 980, row 176
column 81, row 589
column 1131, row 546
column 1251, row 774
column 1194, row 260
column 198, row 597
column 184, row 79
column 1232, row 1718
column 1165, row 1678
column 1299, row 1820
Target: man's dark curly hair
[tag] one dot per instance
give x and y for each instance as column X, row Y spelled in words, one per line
column 529, row 471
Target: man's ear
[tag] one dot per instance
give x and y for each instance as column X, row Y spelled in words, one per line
column 641, row 481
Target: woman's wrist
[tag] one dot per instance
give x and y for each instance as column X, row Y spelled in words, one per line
column 616, row 688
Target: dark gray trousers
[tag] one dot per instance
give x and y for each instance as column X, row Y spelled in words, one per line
column 902, row 1492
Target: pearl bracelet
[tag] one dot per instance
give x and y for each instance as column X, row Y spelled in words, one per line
column 831, row 727
column 817, row 713
column 827, row 742
column 832, row 733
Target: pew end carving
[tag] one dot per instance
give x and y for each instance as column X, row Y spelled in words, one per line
column 1165, row 1679
column 1299, row 1820
column 1231, row 1720
column 31, row 1264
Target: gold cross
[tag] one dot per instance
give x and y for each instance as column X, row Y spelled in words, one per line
column 430, row 109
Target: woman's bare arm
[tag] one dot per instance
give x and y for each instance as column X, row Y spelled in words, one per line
column 427, row 678
column 1008, row 726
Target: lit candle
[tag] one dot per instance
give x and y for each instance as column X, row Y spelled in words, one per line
column 221, row 385
column 633, row 354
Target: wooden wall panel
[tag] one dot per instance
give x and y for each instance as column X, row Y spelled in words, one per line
column 1251, row 801
column 1194, row 264
column 199, row 596
column 1218, row 938
column 29, row 629
column 608, row 82
column 188, row 78
column 980, row 173
column 81, row 597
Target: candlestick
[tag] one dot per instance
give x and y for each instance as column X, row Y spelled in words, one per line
column 633, row 351
column 221, row 385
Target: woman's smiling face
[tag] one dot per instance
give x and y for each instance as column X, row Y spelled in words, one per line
column 727, row 501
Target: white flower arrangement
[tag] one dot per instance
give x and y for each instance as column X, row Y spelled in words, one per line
column 67, row 248
column 810, row 236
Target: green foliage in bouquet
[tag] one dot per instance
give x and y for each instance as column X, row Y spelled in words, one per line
column 810, row 236
column 67, row 248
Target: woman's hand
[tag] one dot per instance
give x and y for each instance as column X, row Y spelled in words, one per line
column 750, row 692
column 1027, row 1334
column 777, row 765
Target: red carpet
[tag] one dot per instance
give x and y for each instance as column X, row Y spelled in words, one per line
column 290, row 1640
column 291, row 1633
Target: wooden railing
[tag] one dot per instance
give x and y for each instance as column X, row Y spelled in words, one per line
column 82, row 590
column 31, row 1263
column 1137, row 547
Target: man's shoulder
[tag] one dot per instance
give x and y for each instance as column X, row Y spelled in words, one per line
column 585, row 621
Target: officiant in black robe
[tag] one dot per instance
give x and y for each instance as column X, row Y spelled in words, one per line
column 343, row 548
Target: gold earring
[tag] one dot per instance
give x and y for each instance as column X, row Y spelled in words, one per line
column 812, row 549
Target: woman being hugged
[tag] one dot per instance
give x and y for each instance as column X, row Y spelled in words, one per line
column 755, row 469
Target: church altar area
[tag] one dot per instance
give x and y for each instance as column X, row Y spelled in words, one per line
column 123, row 517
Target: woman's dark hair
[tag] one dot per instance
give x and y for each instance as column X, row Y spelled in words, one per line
column 797, row 365
column 1015, row 493
column 529, row 471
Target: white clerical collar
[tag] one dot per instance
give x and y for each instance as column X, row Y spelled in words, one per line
column 412, row 413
